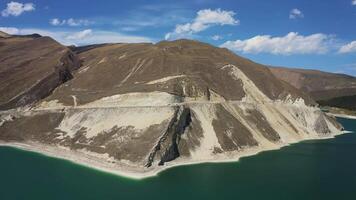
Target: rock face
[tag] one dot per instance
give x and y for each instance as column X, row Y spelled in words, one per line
column 141, row 106
column 31, row 68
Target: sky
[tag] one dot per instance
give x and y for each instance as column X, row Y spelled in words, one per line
column 311, row 34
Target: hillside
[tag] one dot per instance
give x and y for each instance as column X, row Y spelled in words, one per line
column 4, row 35
column 320, row 85
column 328, row 89
column 132, row 108
column 31, row 67
column 345, row 102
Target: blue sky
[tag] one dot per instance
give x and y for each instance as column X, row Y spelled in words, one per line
column 316, row 34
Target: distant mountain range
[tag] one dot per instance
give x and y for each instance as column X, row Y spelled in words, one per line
column 328, row 89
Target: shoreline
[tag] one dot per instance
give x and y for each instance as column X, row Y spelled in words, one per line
column 139, row 173
column 342, row 115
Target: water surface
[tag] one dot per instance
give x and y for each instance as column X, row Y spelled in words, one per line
column 320, row 169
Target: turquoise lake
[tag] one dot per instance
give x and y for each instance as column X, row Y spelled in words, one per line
column 318, row 169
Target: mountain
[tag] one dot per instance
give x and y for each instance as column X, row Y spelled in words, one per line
column 31, row 67
column 138, row 108
column 328, row 89
column 344, row 102
column 4, row 35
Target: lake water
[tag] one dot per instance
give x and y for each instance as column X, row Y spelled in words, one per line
column 321, row 169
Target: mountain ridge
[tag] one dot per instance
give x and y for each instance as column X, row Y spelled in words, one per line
column 328, row 89
column 31, row 67
column 138, row 108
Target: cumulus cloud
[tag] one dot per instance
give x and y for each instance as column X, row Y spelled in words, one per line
column 15, row 8
column 348, row 48
column 292, row 43
column 204, row 19
column 216, row 37
column 295, row 13
column 69, row 22
column 353, row 2
column 84, row 37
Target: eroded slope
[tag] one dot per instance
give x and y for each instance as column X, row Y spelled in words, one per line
column 136, row 107
column 31, row 67
column 184, row 68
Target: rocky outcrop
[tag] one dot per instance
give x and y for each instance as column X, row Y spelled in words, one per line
column 167, row 146
column 321, row 125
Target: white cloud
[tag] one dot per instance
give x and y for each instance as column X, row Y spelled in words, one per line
column 78, row 22
column 56, row 22
column 70, row 22
column 292, row 43
column 80, row 35
column 218, row 16
column 204, row 19
column 348, row 48
column 353, row 2
column 112, row 37
column 10, row 30
column 295, row 13
column 216, row 37
column 84, row 37
column 15, row 8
